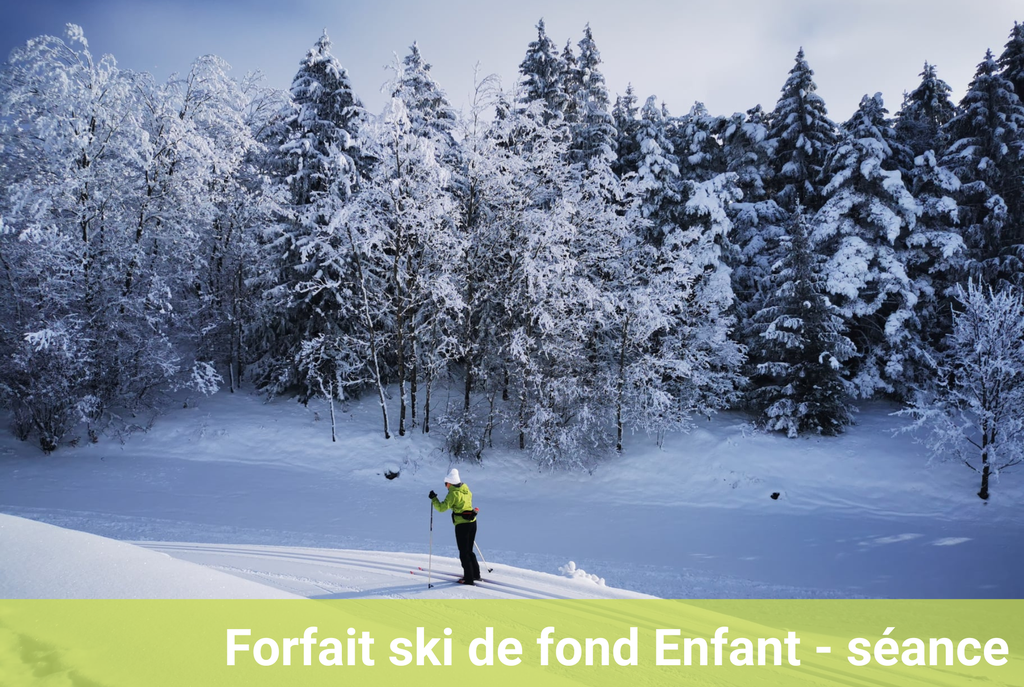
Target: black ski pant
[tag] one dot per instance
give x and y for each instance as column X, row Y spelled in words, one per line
column 465, row 535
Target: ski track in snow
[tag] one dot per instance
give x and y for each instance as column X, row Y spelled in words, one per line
column 340, row 562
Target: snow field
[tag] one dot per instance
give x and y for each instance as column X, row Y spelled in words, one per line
column 858, row 515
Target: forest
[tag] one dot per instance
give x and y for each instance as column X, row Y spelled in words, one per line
column 547, row 267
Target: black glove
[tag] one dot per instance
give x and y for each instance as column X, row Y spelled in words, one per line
column 433, row 496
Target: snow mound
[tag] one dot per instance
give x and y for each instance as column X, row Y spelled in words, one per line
column 571, row 571
column 48, row 562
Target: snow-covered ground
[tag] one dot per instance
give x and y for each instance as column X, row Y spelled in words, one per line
column 258, row 490
column 45, row 561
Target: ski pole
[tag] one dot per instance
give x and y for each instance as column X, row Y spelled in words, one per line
column 430, row 554
column 482, row 557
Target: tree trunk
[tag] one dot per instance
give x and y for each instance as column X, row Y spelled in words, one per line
column 402, row 405
column 334, row 424
column 986, row 441
column 522, row 420
column 426, row 405
column 399, row 297
column 414, row 372
column 371, row 330
column 400, row 335
column 487, row 439
column 470, row 338
column 622, row 385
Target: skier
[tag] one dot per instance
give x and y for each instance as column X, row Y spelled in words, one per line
column 460, row 502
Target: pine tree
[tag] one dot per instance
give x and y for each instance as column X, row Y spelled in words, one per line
column 925, row 112
column 658, row 184
column 933, row 252
column 669, row 346
column 697, row 147
column 746, row 151
column 652, row 291
column 798, row 361
column 1012, row 59
column 544, row 74
column 758, row 222
column 320, row 154
column 626, row 121
column 860, row 228
column 802, row 136
column 987, row 154
column 594, row 136
column 691, row 234
column 429, row 110
column 572, row 84
column 708, row 320
column 320, row 163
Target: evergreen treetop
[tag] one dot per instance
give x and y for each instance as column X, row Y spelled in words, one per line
column 802, row 135
column 925, row 111
column 544, row 74
column 1012, row 59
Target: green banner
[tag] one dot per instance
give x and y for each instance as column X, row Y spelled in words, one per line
column 89, row 643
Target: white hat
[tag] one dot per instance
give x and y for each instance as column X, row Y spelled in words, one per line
column 453, row 477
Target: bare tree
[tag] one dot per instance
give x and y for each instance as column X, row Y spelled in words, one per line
column 976, row 413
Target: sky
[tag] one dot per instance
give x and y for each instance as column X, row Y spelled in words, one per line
column 728, row 54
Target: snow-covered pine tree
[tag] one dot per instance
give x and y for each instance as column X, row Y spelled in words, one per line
column 685, row 287
column 745, row 151
column 658, row 185
column 712, row 378
column 320, row 163
column 801, row 135
column 626, row 121
column 572, row 84
column 799, row 355
column 987, row 155
column 920, row 123
column 696, row 146
column 593, row 129
column 975, row 414
column 932, row 252
column 758, row 222
column 655, row 294
column 649, row 292
column 1011, row 61
column 544, row 74
column 429, row 111
column 860, row 229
